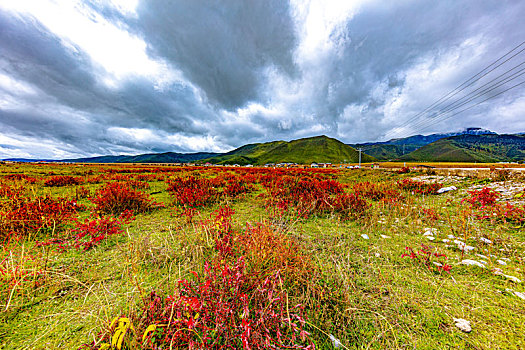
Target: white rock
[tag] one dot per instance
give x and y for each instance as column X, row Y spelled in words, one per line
column 431, row 238
column 498, row 272
column 437, row 263
column 463, row 325
column 485, row 240
column 446, row 189
column 463, row 246
column 481, row 256
column 501, row 262
column 365, row 236
column 445, row 240
column 335, row 342
column 377, row 255
column 471, row 262
column 385, row 236
column 520, row 295
column 451, row 236
column 428, row 233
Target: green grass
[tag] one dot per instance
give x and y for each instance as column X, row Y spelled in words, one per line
column 377, row 299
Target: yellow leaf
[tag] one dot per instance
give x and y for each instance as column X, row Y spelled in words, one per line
column 151, row 328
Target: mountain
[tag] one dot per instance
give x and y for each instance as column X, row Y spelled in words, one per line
column 320, row 149
column 167, row 157
column 395, row 148
column 472, row 148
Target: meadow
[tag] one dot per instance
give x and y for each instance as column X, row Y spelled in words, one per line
column 164, row 257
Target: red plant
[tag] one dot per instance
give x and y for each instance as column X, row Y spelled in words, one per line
column 484, row 197
column 116, row 197
column 58, row 181
column 91, row 232
column 43, row 215
column 418, row 186
column 21, row 177
column 432, row 260
column 226, row 307
column 404, row 170
column 193, row 192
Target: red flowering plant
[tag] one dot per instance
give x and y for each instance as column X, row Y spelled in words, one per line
column 433, row 261
column 482, row 198
column 225, row 307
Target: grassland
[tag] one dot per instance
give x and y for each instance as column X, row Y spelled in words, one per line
column 347, row 271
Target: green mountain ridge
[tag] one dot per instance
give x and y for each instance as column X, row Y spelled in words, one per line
column 472, row 148
column 319, row 149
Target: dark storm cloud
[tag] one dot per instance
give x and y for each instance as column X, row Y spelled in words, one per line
column 223, row 47
column 66, row 79
column 243, row 72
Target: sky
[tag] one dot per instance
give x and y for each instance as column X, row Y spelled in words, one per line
column 87, row 78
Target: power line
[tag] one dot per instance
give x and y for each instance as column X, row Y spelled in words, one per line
column 477, row 104
column 471, row 97
column 469, row 82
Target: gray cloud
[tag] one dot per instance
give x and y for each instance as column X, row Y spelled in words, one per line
column 223, row 47
column 241, row 75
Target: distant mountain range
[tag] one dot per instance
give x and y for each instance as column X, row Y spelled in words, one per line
column 320, row 149
column 396, row 148
column 470, row 145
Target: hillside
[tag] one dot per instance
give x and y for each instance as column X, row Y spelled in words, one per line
column 168, row 157
column 320, row 149
column 472, row 148
column 396, row 148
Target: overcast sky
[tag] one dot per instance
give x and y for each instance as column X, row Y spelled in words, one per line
column 86, row 78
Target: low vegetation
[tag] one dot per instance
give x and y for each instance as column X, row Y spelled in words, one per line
column 163, row 257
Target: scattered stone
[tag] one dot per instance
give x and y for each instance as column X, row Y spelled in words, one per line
column 518, row 294
column 501, row 262
column 437, row 263
column 482, row 256
column 335, row 342
column 472, row 262
column 428, row 232
column 485, row 240
column 365, row 236
column 445, row 240
column 377, row 255
column 451, row 236
column 499, row 272
column 385, row 236
column 431, row 238
column 446, row 189
column 463, row 246
column 463, row 325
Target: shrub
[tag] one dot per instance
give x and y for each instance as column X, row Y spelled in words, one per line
column 115, row 198
column 485, row 196
column 91, row 232
column 58, row 181
column 418, row 186
column 225, row 308
column 193, row 192
column 42, row 215
column 21, row 177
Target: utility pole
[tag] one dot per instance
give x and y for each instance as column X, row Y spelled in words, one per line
column 359, row 149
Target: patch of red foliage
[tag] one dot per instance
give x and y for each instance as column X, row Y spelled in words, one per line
column 115, row 198
column 418, row 187
column 59, row 181
column 43, row 215
column 433, row 261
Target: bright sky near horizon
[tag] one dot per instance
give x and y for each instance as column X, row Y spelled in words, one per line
column 86, row 78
